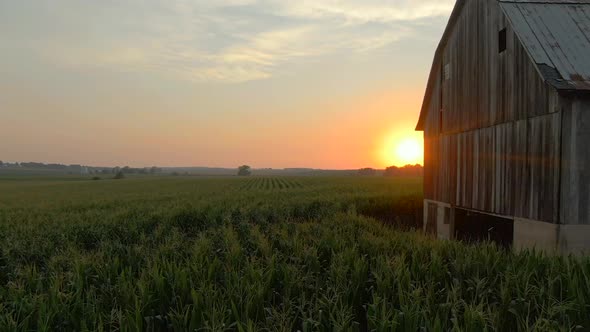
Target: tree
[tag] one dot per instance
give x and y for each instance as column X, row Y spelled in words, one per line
column 119, row 176
column 367, row 171
column 244, row 170
column 408, row 171
column 1, row 163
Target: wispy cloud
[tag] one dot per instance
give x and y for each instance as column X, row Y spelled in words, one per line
column 222, row 41
column 370, row 10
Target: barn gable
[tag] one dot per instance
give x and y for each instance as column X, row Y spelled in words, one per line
column 554, row 33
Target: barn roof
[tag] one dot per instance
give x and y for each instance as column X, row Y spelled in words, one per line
column 555, row 33
column 557, row 38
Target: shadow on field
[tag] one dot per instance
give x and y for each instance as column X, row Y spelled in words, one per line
column 405, row 213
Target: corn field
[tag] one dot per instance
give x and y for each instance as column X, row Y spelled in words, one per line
column 262, row 254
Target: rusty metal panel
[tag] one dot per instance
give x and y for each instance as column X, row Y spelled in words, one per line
column 557, row 37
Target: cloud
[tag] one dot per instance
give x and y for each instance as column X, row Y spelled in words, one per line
column 370, row 10
column 221, row 41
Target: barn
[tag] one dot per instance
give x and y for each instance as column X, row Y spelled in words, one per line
column 506, row 120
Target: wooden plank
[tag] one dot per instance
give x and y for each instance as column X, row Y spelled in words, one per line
column 519, row 165
column 575, row 192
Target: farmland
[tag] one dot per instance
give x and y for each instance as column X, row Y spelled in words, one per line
column 246, row 254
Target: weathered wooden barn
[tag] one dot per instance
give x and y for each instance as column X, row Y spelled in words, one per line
column 506, row 120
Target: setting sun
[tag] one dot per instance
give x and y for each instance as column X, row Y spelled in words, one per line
column 402, row 148
column 409, row 151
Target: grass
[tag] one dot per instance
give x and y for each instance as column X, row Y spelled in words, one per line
column 249, row 254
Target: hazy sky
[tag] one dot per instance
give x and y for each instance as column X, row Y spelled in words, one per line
column 322, row 83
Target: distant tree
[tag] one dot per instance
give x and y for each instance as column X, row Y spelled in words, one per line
column 119, row 176
column 126, row 169
column 154, row 170
column 116, row 170
column 391, row 171
column 408, row 170
column 1, row 163
column 244, row 170
column 366, row 171
column 95, row 178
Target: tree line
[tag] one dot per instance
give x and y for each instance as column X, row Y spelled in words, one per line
column 80, row 169
column 404, row 171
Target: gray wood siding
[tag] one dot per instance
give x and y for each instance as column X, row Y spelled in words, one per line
column 499, row 148
column 575, row 181
column 509, row 169
column 486, row 87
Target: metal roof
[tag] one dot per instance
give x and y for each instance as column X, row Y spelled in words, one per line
column 557, row 37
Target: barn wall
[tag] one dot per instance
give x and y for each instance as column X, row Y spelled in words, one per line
column 431, row 133
column 575, row 180
column 485, row 87
column 507, row 169
column 496, row 147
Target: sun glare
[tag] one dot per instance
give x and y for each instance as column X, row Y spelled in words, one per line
column 408, row 151
column 402, row 149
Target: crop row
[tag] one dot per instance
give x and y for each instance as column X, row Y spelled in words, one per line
column 268, row 183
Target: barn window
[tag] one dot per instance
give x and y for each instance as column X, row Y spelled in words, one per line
column 502, row 40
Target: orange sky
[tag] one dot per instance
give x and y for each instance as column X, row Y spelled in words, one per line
column 216, row 83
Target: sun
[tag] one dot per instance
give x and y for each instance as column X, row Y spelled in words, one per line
column 408, row 151
column 401, row 149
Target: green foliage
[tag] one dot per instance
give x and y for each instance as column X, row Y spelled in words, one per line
column 244, row 170
column 247, row 254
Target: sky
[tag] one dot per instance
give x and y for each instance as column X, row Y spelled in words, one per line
column 323, row 83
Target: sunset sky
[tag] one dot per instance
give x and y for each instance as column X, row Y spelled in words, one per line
column 322, row 83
